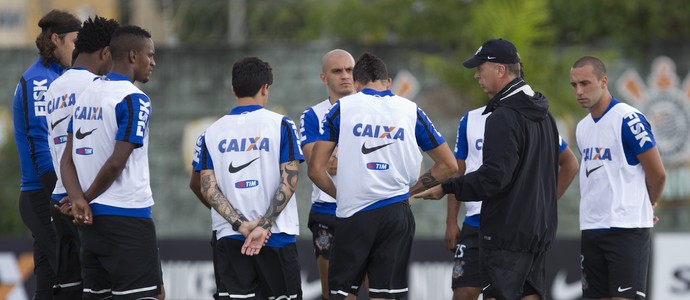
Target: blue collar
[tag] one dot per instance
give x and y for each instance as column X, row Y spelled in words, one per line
column 372, row 92
column 238, row 110
column 115, row 76
column 78, row 68
column 614, row 101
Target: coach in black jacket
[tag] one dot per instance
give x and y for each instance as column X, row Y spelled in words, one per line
column 517, row 179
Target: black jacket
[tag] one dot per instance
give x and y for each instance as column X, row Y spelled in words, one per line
column 517, row 179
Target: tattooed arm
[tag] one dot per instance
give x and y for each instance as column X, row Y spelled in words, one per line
column 289, row 173
column 212, row 193
column 444, row 166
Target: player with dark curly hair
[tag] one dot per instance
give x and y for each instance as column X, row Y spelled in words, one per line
column 55, row 44
column 92, row 58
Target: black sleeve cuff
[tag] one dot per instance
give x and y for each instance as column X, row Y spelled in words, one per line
column 448, row 187
column 48, row 181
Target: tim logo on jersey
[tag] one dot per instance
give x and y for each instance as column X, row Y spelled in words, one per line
column 244, row 144
column 61, row 102
column 379, row 131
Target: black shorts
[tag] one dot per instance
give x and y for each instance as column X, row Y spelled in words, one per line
column 119, row 257
column 615, row 263
column 322, row 228
column 68, row 284
column 377, row 243
column 34, row 208
column 273, row 273
column 512, row 275
column 466, row 257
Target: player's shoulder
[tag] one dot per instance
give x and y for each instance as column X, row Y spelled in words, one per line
column 623, row 109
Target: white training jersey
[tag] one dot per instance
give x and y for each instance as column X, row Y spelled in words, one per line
column 612, row 182
column 468, row 147
column 61, row 97
column 109, row 110
column 310, row 129
column 245, row 149
column 378, row 136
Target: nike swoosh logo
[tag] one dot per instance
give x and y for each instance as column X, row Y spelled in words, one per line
column 562, row 289
column 232, row 169
column 491, row 57
column 620, row 290
column 52, row 125
column 587, row 172
column 80, row 135
column 366, row 150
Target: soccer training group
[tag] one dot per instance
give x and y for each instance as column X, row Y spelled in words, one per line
column 81, row 129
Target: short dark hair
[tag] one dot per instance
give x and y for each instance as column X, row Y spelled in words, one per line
column 56, row 21
column 249, row 75
column 369, row 68
column 127, row 38
column 597, row 65
column 95, row 34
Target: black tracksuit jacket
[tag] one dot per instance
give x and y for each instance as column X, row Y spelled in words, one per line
column 517, row 180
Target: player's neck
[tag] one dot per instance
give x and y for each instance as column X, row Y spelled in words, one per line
column 599, row 109
column 88, row 62
column 246, row 101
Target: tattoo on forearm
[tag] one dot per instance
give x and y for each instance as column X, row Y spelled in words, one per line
column 427, row 180
column 220, row 203
column 288, row 184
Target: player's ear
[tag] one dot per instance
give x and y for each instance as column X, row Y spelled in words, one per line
column 389, row 83
column 264, row 90
column 104, row 54
column 132, row 56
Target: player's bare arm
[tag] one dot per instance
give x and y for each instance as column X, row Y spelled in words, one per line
column 444, row 166
column 111, row 170
column 195, row 186
column 80, row 207
column 452, row 227
column 567, row 169
column 289, row 174
column 213, row 194
column 318, row 174
column 654, row 173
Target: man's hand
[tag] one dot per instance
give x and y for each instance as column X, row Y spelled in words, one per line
column 81, row 212
column 433, row 193
column 332, row 166
column 247, row 227
column 451, row 238
column 64, row 206
column 256, row 239
column 655, row 219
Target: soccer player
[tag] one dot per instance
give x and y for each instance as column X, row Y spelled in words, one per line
column 249, row 167
column 336, row 74
column 55, row 44
column 516, row 181
column 106, row 173
column 92, row 59
column 621, row 181
column 378, row 135
column 466, row 281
